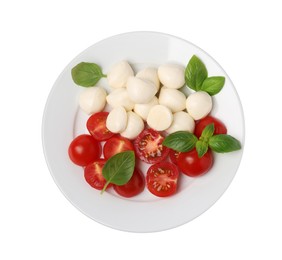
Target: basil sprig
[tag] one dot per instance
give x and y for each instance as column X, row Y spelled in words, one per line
column 87, row 74
column 182, row 141
column 119, row 169
column 196, row 77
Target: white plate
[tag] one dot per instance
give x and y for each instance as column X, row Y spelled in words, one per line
column 63, row 120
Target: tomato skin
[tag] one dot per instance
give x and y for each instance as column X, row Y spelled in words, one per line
column 93, row 174
column 117, row 144
column 219, row 127
column 191, row 165
column 149, row 148
column 84, row 149
column 96, row 125
column 162, row 178
column 133, row 187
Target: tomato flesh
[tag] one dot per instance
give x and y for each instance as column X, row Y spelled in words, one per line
column 117, row 144
column 162, row 179
column 96, row 125
column 219, row 127
column 133, row 187
column 93, row 174
column 149, row 148
column 191, row 165
column 173, row 155
column 84, row 149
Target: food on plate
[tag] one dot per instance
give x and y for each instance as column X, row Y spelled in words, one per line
column 96, row 125
column 119, row 74
column 117, row 120
column 171, row 75
column 92, row 100
column 84, row 149
column 148, row 118
column 140, row 91
column 174, row 99
column 182, row 121
column 159, row 117
column 199, row 104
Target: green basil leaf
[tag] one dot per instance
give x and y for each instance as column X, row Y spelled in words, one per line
column 86, row 74
column 224, row 143
column 213, row 85
column 180, row 141
column 207, row 132
column 195, row 73
column 202, row 148
column 119, row 168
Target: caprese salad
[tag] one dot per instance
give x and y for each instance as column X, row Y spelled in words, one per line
column 150, row 121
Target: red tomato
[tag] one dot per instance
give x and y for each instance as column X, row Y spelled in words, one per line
column 84, row 149
column 190, row 163
column 117, row 144
column 219, row 127
column 162, row 179
column 96, row 125
column 173, row 155
column 133, row 187
column 93, row 174
column 149, row 148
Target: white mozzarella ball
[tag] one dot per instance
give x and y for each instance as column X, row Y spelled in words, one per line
column 159, row 118
column 135, row 126
column 92, row 100
column 199, row 104
column 117, row 120
column 118, row 74
column 149, row 74
column 143, row 109
column 119, row 97
column 171, row 75
column 182, row 121
column 174, row 99
column 140, row 91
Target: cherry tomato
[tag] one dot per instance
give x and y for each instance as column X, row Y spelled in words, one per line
column 96, row 125
column 149, row 148
column 117, row 144
column 162, row 179
column 133, row 187
column 173, row 155
column 219, row 127
column 190, row 163
column 84, row 149
column 93, row 174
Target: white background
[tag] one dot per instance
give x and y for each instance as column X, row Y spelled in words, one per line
column 39, row 38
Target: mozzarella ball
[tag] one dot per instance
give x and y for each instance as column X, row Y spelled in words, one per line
column 119, row 97
column 150, row 74
column 182, row 121
column 118, row 74
column 143, row 109
column 159, row 118
column 140, row 91
column 171, row 75
column 174, row 99
column 92, row 100
column 135, row 126
column 199, row 104
column 117, row 120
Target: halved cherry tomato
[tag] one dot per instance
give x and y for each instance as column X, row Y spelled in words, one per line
column 219, row 127
column 149, row 148
column 162, row 179
column 84, row 149
column 117, row 144
column 190, row 163
column 93, row 174
column 173, row 155
column 96, row 125
column 133, row 187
